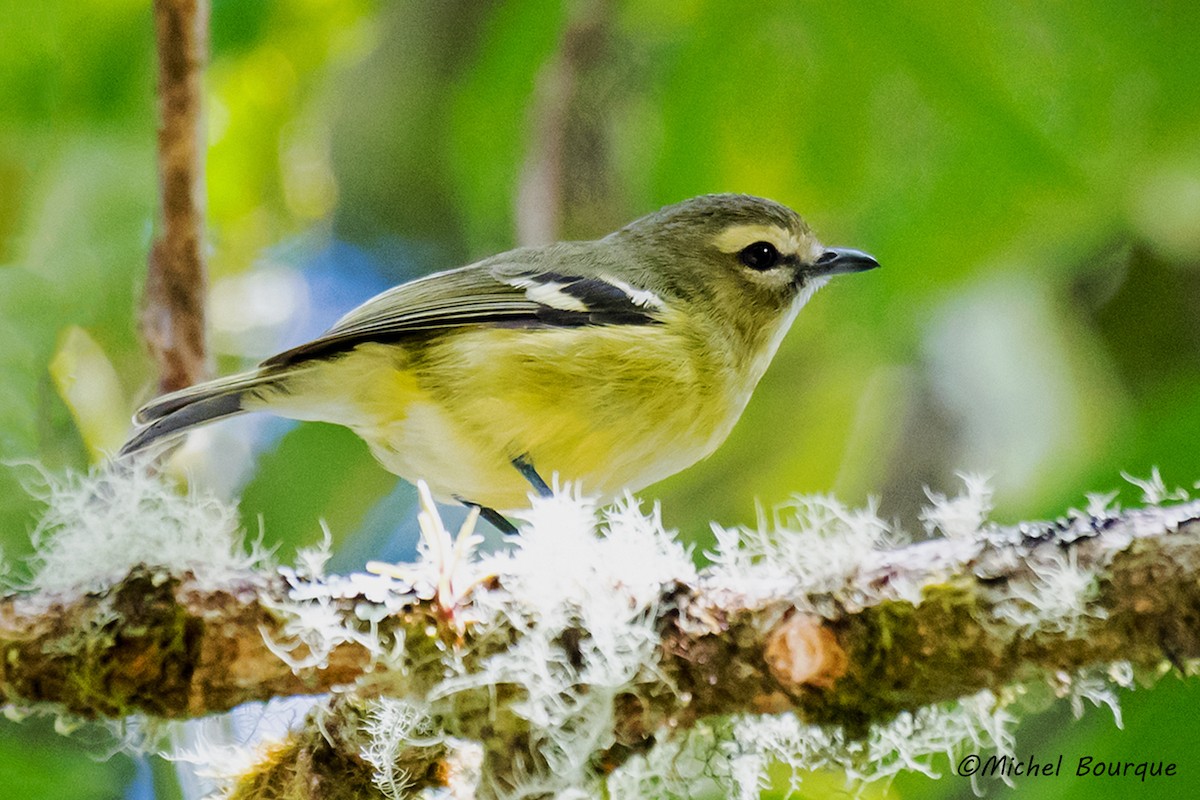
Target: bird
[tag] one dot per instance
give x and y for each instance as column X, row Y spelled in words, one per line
column 612, row 363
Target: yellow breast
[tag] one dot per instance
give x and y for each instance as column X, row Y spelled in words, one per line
column 610, row 408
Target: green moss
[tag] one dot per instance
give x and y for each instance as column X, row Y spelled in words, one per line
column 307, row 767
column 137, row 655
column 903, row 656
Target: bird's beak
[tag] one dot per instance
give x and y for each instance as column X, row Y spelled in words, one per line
column 841, row 260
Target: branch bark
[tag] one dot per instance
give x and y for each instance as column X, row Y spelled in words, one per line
column 172, row 318
column 907, row 628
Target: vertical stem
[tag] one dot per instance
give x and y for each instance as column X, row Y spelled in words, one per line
column 565, row 144
column 172, row 314
column 539, row 190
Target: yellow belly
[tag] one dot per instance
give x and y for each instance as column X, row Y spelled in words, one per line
column 610, row 410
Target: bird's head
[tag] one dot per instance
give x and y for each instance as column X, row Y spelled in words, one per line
column 748, row 259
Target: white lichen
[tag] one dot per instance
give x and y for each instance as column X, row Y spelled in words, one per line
column 392, row 726
column 313, row 621
column 961, row 516
column 1059, row 597
column 1098, row 686
column 97, row 527
column 684, row 764
column 814, row 543
column 736, row 759
column 1102, row 505
column 909, row 742
column 1154, row 490
column 560, row 576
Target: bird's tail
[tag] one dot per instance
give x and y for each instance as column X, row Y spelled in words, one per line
column 173, row 414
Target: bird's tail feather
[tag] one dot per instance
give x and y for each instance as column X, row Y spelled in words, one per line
column 173, row 414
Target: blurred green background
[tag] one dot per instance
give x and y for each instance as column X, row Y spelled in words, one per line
column 1028, row 174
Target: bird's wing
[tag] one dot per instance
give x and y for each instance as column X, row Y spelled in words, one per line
column 497, row 293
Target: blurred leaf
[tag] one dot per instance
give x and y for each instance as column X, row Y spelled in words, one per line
column 29, row 426
column 490, row 116
column 38, row 764
column 269, row 165
column 238, row 25
column 89, row 385
column 318, row 473
column 52, row 71
column 26, row 341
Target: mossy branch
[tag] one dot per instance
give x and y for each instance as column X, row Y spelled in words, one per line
column 900, row 629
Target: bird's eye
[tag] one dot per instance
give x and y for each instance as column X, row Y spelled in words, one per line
column 760, row 256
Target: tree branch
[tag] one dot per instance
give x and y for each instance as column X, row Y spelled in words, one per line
column 172, row 318
column 158, row 644
column 895, row 630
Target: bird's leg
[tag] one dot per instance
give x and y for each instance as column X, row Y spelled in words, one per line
column 493, row 516
column 525, row 467
column 498, row 520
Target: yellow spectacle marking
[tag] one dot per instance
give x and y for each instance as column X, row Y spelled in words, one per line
column 738, row 237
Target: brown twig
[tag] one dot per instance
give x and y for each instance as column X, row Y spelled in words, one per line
column 172, row 314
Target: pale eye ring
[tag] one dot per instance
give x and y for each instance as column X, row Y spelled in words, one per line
column 760, row 256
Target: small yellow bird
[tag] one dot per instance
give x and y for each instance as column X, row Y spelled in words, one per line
column 614, row 362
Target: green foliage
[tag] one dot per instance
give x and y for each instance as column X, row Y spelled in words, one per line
column 292, row 491
column 1027, row 174
column 37, row 763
